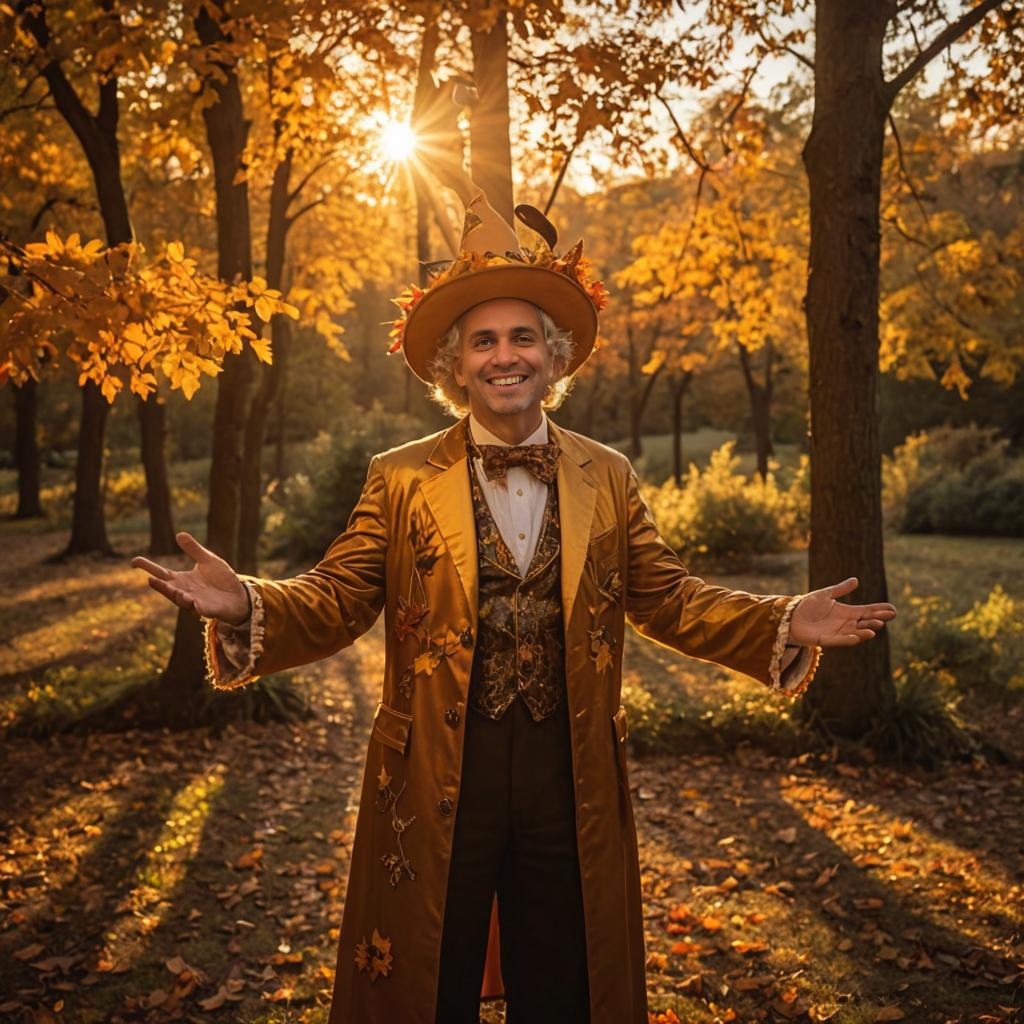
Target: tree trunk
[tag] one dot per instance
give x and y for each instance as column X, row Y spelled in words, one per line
column 280, row 410
column 250, row 519
column 88, row 525
column 639, row 393
column 843, row 158
column 680, row 385
column 26, row 449
column 98, row 135
column 760, row 405
column 489, row 147
column 226, row 133
column 152, row 414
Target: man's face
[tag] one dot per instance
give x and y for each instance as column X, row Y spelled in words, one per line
column 505, row 364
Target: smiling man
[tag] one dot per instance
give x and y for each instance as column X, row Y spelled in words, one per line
column 507, row 554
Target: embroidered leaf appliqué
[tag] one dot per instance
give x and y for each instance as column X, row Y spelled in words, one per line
column 374, row 956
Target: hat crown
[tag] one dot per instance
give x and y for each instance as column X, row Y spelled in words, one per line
column 485, row 230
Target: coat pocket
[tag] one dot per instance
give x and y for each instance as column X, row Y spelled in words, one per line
column 391, row 728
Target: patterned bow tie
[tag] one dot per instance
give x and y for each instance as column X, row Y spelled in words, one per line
column 540, row 459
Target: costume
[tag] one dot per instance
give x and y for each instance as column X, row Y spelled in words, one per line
column 501, row 698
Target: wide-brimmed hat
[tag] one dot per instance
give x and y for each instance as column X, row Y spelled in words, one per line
column 493, row 265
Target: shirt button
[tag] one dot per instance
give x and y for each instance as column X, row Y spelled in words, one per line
column 522, row 536
column 520, row 492
column 444, row 805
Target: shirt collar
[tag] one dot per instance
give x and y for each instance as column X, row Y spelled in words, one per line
column 481, row 435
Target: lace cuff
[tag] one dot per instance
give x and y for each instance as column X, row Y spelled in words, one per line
column 799, row 673
column 232, row 651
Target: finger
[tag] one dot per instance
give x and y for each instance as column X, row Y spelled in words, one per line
column 840, row 640
column 151, row 567
column 176, row 594
column 838, row 589
column 193, row 548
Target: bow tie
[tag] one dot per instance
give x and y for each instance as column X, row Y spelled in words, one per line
column 540, row 459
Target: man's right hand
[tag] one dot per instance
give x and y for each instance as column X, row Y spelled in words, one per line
column 210, row 588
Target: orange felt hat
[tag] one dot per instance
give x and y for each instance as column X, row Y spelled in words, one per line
column 493, row 265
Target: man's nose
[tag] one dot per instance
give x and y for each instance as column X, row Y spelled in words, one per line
column 504, row 352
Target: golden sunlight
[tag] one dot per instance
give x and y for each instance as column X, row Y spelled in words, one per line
column 398, row 140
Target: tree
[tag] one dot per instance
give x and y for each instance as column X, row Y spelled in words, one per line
column 104, row 40
column 853, row 99
column 855, row 84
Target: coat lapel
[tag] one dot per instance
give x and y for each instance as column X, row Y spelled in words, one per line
column 448, row 497
column 577, row 497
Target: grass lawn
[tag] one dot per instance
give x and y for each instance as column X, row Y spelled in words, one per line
column 655, row 464
column 149, row 876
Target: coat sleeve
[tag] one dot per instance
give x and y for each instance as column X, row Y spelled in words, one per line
column 744, row 632
column 301, row 620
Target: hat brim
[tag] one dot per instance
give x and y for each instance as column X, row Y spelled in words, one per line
column 556, row 293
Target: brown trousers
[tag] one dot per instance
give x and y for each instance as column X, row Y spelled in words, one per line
column 515, row 834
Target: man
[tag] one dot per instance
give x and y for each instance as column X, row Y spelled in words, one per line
column 507, row 554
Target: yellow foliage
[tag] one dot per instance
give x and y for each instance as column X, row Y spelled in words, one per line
column 119, row 316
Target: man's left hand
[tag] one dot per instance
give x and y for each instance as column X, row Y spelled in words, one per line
column 820, row 619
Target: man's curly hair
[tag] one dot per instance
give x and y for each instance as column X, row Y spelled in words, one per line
column 452, row 398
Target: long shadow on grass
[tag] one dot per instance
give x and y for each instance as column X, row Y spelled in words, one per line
column 45, row 611
column 269, row 865
column 58, row 919
column 983, row 815
column 811, row 919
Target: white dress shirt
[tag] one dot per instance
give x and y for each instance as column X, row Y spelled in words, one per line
column 518, row 500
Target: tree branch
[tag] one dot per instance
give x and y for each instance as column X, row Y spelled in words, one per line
column 292, row 218
column 906, row 173
column 792, row 51
column 949, row 35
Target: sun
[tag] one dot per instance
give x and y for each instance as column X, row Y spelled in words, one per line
column 398, row 140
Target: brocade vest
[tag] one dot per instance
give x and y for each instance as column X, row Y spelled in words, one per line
column 520, row 648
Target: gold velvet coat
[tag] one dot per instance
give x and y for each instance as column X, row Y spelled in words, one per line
column 410, row 549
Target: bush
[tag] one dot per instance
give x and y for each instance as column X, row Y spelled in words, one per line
column 980, row 651
column 682, row 725
column 721, row 514
column 955, row 480
column 314, row 504
column 925, row 726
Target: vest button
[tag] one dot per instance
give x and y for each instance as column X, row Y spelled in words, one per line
column 451, row 716
column 444, row 805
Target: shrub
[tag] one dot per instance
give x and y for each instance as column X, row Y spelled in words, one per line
column 314, row 504
column 719, row 513
column 981, row 650
column 682, row 724
column 955, row 480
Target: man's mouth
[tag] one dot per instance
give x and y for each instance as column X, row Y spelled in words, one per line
column 508, row 382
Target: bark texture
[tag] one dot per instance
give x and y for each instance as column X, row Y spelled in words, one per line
column 490, row 149
column 843, row 157
column 26, row 449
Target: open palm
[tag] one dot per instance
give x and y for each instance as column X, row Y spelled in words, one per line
column 820, row 619
column 210, row 588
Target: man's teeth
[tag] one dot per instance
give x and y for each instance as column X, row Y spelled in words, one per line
column 504, row 382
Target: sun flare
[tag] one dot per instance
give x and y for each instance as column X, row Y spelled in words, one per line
column 398, row 140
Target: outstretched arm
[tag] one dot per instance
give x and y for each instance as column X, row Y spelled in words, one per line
column 742, row 631
column 294, row 621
